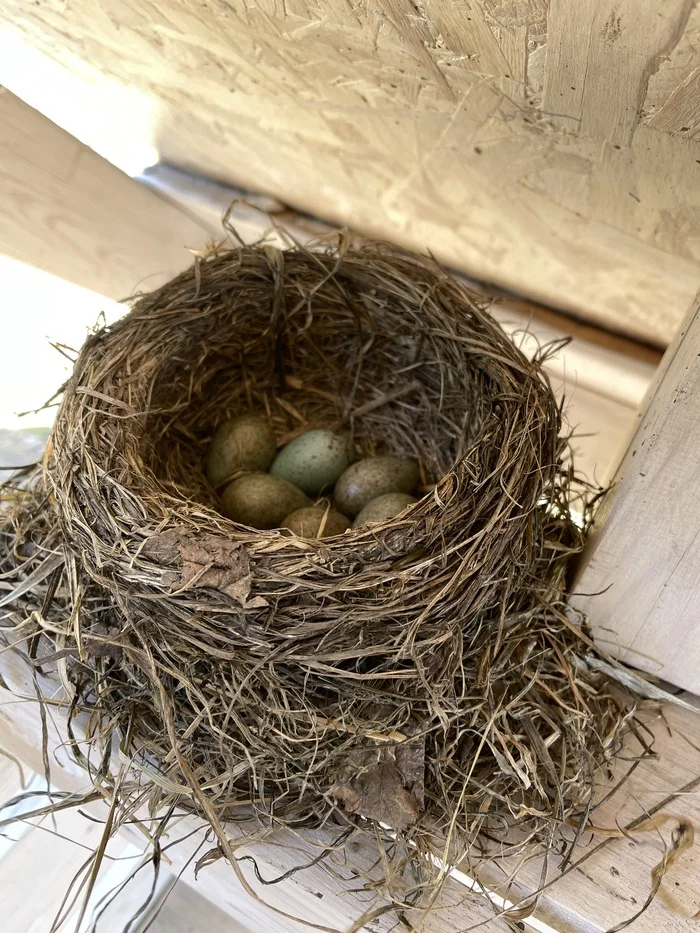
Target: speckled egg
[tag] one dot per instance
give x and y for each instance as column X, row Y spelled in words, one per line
column 244, row 443
column 383, row 508
column 372, row 477
column 307, row 523
column 314, row 460
column 261, row 500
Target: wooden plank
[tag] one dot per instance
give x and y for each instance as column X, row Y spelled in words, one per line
column 615, row 367
column 597, row 44
column 187, row 911
column 56, row 849
column 602, row 390
column 67, row 211
column 484, row 131
column 643, row 563
column 315, row 895
column 614, row 875
column 608, row 887
column 681, row 112
column 672, row 73
column 12, row 776
column 53, row 854
column 603, row 377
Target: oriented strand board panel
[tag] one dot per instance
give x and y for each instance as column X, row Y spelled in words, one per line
column 550, row 147
column 69, row 212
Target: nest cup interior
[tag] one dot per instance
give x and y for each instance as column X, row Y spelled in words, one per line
column 397, row 353
column 278, row 660
column 314, row 351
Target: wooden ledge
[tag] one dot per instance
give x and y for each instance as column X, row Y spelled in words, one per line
column 609, row 879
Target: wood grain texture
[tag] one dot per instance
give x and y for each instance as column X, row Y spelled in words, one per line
column 644, row 559
column 600, row 45
column 36, row 873
column 612, row 884
column 56, row 849
column 604, row 890
column 674, row 71
column 681, row 112
column 185, row 910
column 549, row 148
column 69, row 212
column 603, row 378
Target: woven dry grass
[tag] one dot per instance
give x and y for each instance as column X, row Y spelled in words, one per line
column 423, row 673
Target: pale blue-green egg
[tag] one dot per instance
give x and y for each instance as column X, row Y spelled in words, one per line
column 314, row 460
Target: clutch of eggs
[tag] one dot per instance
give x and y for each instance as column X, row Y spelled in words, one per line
column 266, row 488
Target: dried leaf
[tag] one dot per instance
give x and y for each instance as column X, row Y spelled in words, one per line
column 384, row 783
column 100, row 641
column 205, row 561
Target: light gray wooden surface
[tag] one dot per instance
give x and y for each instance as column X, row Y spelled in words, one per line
column 608, row 888
column 643, row 562
column 607, row 383
column 71, row 213
column 318, row 895
column 41, row 857
column 66, row 210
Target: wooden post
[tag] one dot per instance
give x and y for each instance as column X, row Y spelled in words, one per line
column 66, row 210
column 640, row 579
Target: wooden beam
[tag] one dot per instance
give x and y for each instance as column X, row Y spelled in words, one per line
column 594, row 45
column 632, row 840
column 640, row 578
column 314, row 895
column 67, row 211
column 109, row 248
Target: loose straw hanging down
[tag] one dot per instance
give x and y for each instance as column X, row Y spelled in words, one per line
column 422, row 673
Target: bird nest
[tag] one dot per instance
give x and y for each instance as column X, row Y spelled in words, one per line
column 420, row 677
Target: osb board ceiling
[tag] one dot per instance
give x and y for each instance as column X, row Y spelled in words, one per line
column 549, row 147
